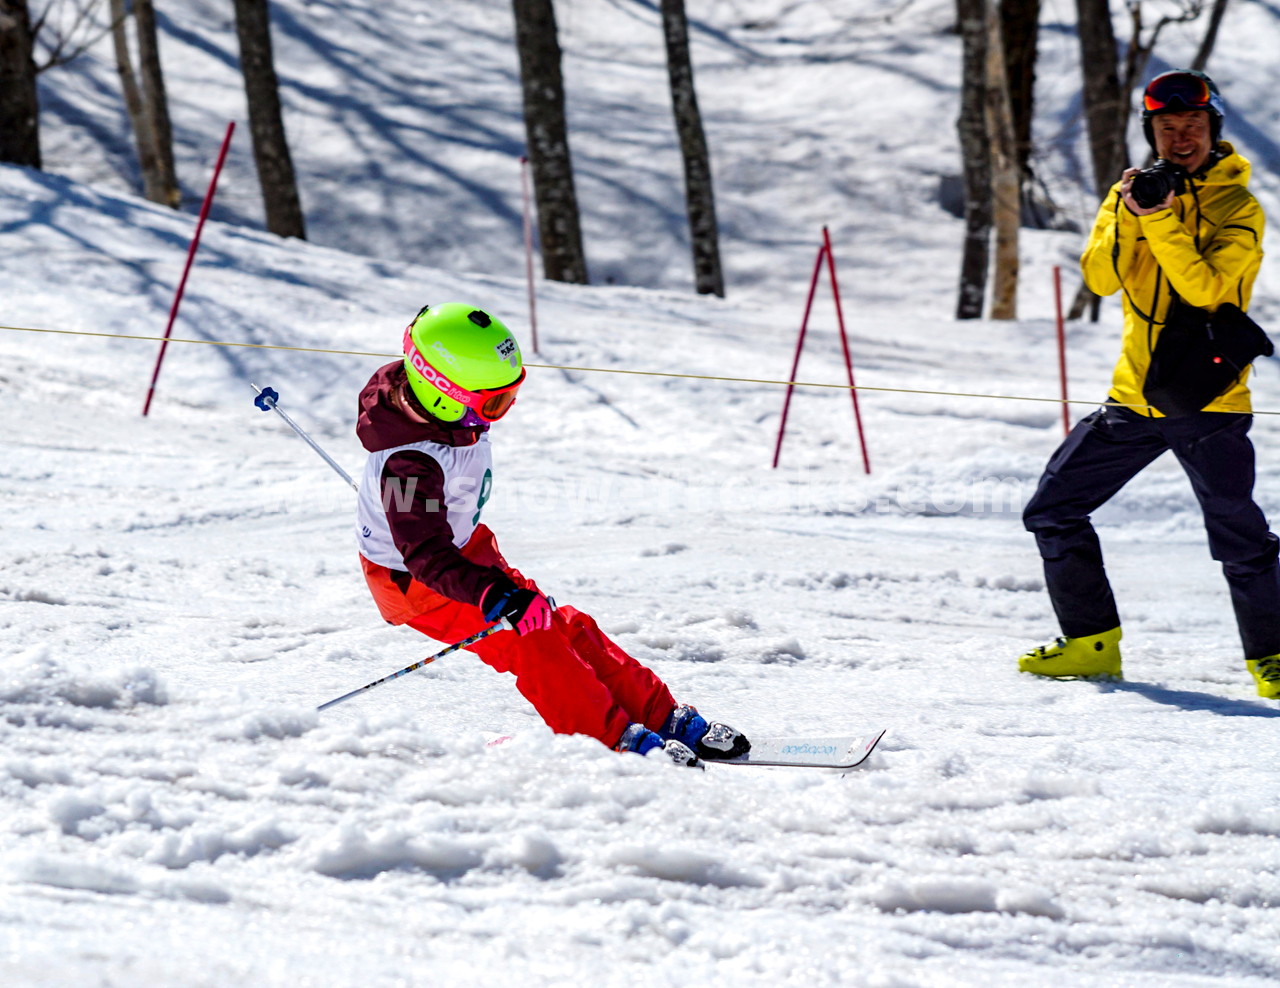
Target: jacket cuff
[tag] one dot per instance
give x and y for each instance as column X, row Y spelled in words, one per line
column 501, row 586
column 1157, row 220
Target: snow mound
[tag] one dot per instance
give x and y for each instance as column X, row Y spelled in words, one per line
column 35, row 679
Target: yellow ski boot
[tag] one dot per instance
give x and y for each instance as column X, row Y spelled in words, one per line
column 1266, row 673
column 1092, row 655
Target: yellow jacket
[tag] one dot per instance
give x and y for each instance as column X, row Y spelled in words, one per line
column 1208, row 247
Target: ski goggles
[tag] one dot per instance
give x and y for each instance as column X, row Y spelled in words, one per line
column 1177, row 91
column 489, row 403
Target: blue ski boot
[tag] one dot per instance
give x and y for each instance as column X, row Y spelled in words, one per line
column 710, row 740
column 643, row 741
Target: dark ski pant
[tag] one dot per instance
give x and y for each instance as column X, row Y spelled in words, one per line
column 1102, row 453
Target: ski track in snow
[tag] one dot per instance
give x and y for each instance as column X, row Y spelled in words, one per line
column 177, row 594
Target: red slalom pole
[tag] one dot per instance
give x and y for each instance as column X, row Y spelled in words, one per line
column 844, row 343
column 795, row 364
column 1062, row 348
column 528, row 250
column 191, row 254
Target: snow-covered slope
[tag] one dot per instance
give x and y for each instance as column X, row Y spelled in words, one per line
column 178, row 593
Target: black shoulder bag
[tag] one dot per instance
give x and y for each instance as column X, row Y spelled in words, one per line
column 1199, row 355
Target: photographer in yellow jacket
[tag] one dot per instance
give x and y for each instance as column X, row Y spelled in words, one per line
column 1187, row 228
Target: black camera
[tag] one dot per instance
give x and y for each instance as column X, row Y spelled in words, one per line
column 1151, row 186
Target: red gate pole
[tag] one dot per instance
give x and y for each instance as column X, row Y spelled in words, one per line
column 1062, row 348
column 795, row 364
column 528, row 250
column 844, row 343
column 191, row 254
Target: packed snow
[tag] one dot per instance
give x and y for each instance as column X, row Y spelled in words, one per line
column 178, row 593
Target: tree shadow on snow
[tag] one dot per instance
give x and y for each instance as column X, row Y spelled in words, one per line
column 1191, row 700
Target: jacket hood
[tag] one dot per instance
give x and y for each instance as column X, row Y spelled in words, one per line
column 1230, row 169
column 381, row 425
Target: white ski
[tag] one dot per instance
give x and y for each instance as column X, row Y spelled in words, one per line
column 833, row 752
column 817, row 752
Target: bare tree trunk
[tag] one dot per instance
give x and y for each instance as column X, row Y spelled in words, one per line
column 547, row 136
column 143, row 138
column 155, row 107
column 1085, row 299
column 1005, row 184
column 1105, row 109
column 266, row 122
column 19, row 103
column 146, row 103
column 975, row 152
column 700, row 199
column 1020, row 32
column 1210, row 36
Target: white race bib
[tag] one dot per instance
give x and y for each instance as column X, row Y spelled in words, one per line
column 468, row 482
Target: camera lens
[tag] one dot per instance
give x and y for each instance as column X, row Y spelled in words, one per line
column 1151, row 186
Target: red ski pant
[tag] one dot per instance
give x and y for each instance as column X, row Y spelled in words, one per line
column 578, row 680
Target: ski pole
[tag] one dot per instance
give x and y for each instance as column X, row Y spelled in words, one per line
column 266, row 400
column 502, row 624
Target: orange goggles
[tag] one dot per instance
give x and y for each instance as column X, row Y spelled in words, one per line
column 1177, row 92
column 489, row 403
column 496, row 402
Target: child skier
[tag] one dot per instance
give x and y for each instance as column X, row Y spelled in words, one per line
column 430, row 564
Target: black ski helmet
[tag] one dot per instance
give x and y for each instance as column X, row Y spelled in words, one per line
column 1178, row 91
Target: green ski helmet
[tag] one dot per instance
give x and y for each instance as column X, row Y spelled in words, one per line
column 462, row 363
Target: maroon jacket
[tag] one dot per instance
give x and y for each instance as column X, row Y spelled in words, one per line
column 421, row 532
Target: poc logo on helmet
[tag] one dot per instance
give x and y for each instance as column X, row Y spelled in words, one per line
column 433, row 376
column 444, row 352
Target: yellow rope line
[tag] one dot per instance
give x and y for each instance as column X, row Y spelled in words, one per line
column 175, row 339
column 603, row 370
